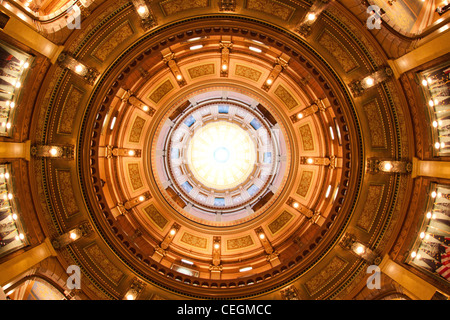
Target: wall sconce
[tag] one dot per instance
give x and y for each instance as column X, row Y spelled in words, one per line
column 227, row 5
column 359, row 86
column 72, row 235
column 81, row 70
column 136, row 288
column 53, row 151
column 122, row 152
column 225, row 46
column 169, row 59
column 144, row 12
column 389, row 166
column 349, row 242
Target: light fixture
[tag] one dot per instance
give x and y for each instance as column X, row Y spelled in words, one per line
column 245, row 269
column 422, row 235
column 131, row 153
column 433, row 194
column 360, row 249
column 300, row 115
column 6, row 175
column 141, row 10
column 262, row 236
column 10, row 196
column 255, row 49
column 435, row 124
column 269, row 81
column 370, row 81
column 295, row 205
column 113, row 122
column 79, row 68
column 442, row 145
column 437, row 145
column 130, row 296
column 428, row 215
column 216, row 246
column 53, row 151
column 145, row 108
column 310, row 160
column 12, row 104
column 413, row 254
column 312, row 16
column 141, row 198
column 331, row 133
column 179, row 77
column 73, row 235
column 172, row 232
column 224, row 67
column 424, row 82
column 8, row 125
column 18, row 84
column 429, row 80
column 196, row 47
column 387, row 166
column 187, row 262
column 194, row 39
column 26, row 65
column 14, row 216
column 431, row 103
column 327, row 194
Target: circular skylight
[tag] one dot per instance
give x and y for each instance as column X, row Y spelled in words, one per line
column 221, row 155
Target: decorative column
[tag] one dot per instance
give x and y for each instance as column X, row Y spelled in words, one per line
column 160, row 251
column 169, row 59
column 331, row 162
column 122, row 152
column 271, row 253
column 316, row 106
column 280, row 65
column 130, row 98
column 216, row 267
column 225, row 47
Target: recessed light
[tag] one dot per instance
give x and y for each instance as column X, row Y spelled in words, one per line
column 196, row 47
column 255, row 49
column 245, row 269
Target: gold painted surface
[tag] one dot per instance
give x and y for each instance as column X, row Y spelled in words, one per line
column 371, row 206
column 103, row 263
column 194, row 240
column 285, row 96
column 69, row 110
column 338, row 51
column 161, row 91
column 376, row 124
column 136, row 130
column 159, row 220
column 328, row 273
column 305, row 183
column 238, row 243
column 64, row 182
column 170, row 7
column 278, row 224
column 111, row 42
column 135, row 176
column 307, row 137
column 200, row 71
column 274, row 8
column 247, row 72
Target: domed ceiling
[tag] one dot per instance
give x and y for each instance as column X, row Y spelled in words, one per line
column 219, row 152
